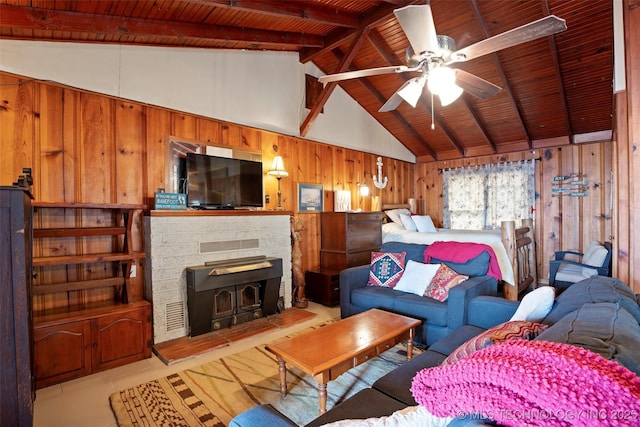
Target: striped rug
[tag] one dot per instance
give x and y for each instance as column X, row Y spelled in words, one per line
column 213, row 393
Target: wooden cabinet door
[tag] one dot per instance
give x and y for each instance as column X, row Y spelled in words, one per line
column 121, row 338
column 62, row 352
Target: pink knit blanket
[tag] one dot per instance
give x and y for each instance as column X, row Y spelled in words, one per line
column 461, row 252
column 534, row 383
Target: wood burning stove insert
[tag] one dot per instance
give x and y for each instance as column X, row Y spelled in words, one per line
column 221, row 294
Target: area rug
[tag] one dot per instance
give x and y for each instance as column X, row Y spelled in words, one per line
column 213, row 393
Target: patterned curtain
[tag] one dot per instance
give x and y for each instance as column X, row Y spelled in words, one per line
column 481, row 197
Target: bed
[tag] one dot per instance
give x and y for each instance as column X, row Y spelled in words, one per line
column 514, row 248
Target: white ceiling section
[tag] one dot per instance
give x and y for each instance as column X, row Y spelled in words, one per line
column 258, row 89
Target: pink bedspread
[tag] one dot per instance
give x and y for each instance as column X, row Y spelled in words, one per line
column 460, row 252
column 533, row 383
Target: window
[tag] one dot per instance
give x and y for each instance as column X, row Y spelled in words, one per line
column 481, row 197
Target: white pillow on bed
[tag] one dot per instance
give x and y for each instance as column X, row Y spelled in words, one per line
column 424, row 224
column 394, row 214
column 408, row 223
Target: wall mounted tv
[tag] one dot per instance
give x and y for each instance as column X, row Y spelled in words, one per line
column 222, row 183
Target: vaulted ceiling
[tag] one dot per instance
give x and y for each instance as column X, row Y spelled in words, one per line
column 556, row 90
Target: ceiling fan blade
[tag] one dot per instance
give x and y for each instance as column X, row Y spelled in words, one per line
column 365, row 73
column 417, row 23
column 410, row 91
column 475, row 85
column 542, row 27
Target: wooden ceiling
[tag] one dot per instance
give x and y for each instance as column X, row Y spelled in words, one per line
column 555, row 91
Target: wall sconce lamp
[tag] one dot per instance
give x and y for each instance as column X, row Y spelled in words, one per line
column 363, row 191
column 278, row 170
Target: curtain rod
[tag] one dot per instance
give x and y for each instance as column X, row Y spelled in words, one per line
column 534, row 159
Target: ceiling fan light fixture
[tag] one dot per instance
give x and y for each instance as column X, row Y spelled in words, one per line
column 411, row 92
column 450, row 94
column 441, row 79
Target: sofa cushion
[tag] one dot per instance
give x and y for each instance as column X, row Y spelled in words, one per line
column 595, row 254
column 444, row 279
column 261, row 415
column 455, row 339
column 593, row 290
column 364, row 404
column 386, row 268
column 476, row 266
column 416, row 277
column 415, row 251
column 397, row 383
column 535, row 305
column 375, row 297
column 604, row 328
column 514, row 330
column 420, row 307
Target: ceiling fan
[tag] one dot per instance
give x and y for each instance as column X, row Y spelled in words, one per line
column 431, row 54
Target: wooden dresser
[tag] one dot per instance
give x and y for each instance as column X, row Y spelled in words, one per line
column 346, row 240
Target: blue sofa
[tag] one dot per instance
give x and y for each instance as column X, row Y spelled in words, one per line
column 439, row 319
column 601, row 314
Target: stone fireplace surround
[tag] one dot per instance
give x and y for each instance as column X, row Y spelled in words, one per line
column 175, row 240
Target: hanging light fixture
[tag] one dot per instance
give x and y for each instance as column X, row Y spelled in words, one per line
column 278, row 170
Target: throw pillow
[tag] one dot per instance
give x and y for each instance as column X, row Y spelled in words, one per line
column 394, row 214
column 535, row 305
column 408, row 223
column 416, row 277
column 476, row 266
column 516, row 330
column 444, row 280
column 595, row 255
column 424, row 224
column 386, row 268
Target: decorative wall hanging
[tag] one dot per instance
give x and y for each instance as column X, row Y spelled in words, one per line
column 378, row 181
column 573, row 185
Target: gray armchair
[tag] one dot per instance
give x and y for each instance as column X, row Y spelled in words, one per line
column 595, row 261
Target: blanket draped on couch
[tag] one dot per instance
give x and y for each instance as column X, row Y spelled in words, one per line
column 535, row 383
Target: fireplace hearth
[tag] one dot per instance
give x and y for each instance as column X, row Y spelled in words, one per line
column 221, row 294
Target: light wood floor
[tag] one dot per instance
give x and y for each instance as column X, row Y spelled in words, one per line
column 84, row 402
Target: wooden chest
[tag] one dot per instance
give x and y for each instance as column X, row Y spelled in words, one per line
column 347, row 238
column 323, row 286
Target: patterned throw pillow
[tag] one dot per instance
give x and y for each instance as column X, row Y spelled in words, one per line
column 386, row 268
column 444, row 280
column 513, row 330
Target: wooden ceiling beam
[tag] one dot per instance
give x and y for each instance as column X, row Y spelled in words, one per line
column 306, row 11
column 370, row 20
column 479, row 123
column 556, row 64
column 330, row 87
column 28, row 18
column 506, row 83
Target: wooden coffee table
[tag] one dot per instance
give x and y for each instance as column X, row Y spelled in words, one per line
column 333, row 349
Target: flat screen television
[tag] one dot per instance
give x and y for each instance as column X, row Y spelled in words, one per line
column 214, row 182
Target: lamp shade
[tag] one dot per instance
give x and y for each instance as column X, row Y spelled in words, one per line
column 450, row 94
column 277, row 168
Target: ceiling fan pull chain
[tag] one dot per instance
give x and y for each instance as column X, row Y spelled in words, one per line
column 433, row 108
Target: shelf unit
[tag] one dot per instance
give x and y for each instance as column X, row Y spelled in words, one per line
column 84, row 336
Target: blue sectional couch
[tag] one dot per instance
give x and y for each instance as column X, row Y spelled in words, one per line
column 439, row 318
column 600, row 314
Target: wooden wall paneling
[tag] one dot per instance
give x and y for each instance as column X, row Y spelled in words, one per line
column 593, row 226
column 157, row 131
column 71, row 187
column 538, row 223
column 286, row 147
column 97, row 178
column 250, row 139
column 9, row 86
column 550, row 227
column 231, row 135
column 129, row 149
column 184, row 126
column 24, row 130
column 50, row 178
column 569, row 207
column 622, row 233
column 342, row 175
column 209, row 131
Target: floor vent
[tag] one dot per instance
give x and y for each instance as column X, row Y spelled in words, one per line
column 175, row 316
